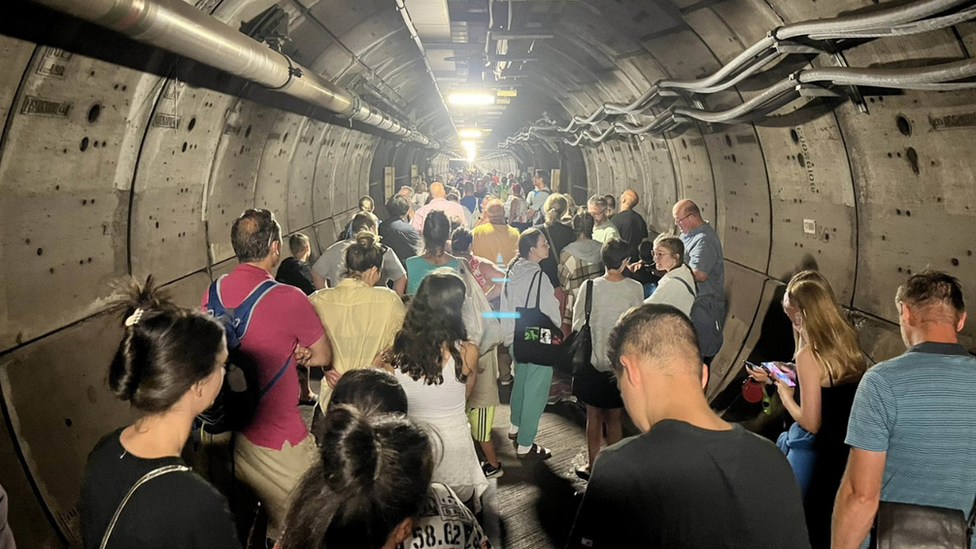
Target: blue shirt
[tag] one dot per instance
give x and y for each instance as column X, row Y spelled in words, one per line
column 920, row 408
column 703, row 252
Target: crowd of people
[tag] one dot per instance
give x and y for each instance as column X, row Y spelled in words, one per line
column 412, row 321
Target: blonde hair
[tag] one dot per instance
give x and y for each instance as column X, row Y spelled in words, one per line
column 831, row 338
column 555, row 207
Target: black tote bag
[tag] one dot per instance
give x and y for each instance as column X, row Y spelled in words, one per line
column 537, row 339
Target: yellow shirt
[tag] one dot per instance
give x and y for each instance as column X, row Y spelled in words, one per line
column 490, row 241
column 361, row 322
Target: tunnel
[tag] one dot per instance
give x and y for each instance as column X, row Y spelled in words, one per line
column 829, row 134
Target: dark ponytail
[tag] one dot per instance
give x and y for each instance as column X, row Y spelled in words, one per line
column 164, row 350
column 374, row 472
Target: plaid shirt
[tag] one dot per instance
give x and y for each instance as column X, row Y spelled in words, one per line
column 573, row 272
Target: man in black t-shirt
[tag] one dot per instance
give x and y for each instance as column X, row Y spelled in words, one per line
column 629, row 223
column 691, row 480
column 295, row 271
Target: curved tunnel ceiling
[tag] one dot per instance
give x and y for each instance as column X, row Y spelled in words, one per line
column 117, row 159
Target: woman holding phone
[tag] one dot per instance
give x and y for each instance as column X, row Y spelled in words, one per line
column 828, row 365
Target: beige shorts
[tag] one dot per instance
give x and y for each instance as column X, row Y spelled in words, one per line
column 273, row 474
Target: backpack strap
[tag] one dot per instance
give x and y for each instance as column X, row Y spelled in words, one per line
column 242, row 313
column 277, row 376
column 145, row 478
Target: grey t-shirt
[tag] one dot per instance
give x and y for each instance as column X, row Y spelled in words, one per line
column 610, row 301
column 332, row 264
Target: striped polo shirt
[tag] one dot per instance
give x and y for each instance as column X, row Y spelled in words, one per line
column 920, row 408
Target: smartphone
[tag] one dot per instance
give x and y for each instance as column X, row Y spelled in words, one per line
column 752, row 366
column 779, row 374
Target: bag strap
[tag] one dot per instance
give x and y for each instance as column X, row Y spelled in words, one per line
column 688, row 286
column 589, row 300
column 538, row 291
column 242, row 313
column 277, row 376
column 529, row 292
column 145, row 478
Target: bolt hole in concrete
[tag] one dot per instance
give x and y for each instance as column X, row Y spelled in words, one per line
column 728, row 141
column 955, row 262
column 94, row 112
column 247, row 132
column 192, row 124
column 912, row 157
column 795, row 136
column 903, row 125
column 67, row 422
column 184, row 146
column 84, row 144
column 801, row 161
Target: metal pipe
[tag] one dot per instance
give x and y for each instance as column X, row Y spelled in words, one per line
column 879, row 20
column 178, row 27
column 412, row 29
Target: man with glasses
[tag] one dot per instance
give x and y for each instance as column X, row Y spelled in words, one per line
column 275, row 449
column 703, row 254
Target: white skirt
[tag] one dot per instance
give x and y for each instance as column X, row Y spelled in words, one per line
column 456, row 462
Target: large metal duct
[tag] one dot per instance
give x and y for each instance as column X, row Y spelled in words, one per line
column 178, row 27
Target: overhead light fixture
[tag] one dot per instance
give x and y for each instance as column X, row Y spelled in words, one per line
column 471, row 99
column 470, row 133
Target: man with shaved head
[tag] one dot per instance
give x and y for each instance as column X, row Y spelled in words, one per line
column 630, row 224
column 691, row 479
column 703, row 254
column 440, row 202
column 495, row 240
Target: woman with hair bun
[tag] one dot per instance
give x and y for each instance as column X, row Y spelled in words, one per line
column 136, row 490
column 438, row 369
column 368, row 487
column 360, row 318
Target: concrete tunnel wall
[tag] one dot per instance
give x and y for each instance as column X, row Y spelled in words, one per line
column 106, row 170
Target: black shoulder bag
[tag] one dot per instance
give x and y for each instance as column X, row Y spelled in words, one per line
column 907, row 526
column 580, row 342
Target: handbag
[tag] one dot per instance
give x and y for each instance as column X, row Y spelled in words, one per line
column 907, row 526
column 580, row 342
column 537, row 339
column 480, row 320
column 147, row 477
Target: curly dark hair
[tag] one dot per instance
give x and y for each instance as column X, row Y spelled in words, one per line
column 433, row 319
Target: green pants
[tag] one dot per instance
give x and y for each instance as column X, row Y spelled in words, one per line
column 530, row 393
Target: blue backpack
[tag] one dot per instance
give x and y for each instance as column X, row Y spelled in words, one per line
column 237, row 401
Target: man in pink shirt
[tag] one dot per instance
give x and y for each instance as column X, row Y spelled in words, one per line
column 275, row 449
column 439, row 202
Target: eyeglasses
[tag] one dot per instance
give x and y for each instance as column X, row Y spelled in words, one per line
column 682, row 218
column 660, row 254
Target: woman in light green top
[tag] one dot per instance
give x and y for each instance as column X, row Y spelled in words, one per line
column 437, row 230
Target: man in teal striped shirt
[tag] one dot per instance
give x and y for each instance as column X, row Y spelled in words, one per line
column 912, row 430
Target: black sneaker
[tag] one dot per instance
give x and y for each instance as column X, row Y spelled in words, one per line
column 492, row 472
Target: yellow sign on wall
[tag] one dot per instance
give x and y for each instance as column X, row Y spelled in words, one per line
column 507, row 93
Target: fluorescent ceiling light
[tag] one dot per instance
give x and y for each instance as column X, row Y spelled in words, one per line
column 471, row 99
column 470, row 133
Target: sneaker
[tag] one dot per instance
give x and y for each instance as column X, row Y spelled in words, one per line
column 492, row 472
